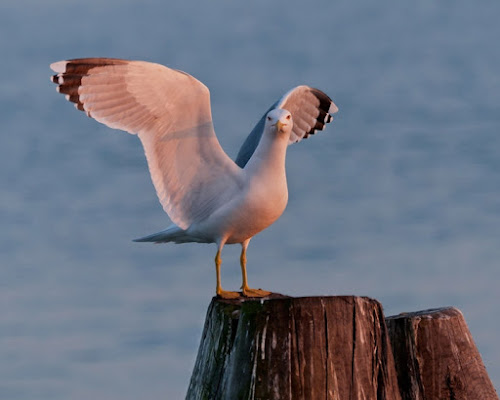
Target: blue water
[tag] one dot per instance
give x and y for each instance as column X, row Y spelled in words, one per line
column 398, row 199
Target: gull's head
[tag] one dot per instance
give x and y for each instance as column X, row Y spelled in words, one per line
column 279, row 121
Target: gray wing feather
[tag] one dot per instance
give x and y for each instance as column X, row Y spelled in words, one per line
column 311, row 110
column 252, row 140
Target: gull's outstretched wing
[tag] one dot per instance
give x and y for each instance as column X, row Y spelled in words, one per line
column 311, row 110
column 170, row 112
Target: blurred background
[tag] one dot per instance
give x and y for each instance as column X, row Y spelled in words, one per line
column 398, row 199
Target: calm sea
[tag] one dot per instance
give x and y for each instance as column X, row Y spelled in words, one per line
column 398, row 199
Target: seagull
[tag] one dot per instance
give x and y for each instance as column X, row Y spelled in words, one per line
column 209, row 197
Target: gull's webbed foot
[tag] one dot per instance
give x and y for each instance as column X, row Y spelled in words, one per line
column 248, row 292
column 226, row 294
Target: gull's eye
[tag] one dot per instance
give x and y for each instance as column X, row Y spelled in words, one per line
column 288, row 116
column 269, row 118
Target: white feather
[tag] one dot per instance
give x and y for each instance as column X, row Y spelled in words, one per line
column 170, row 112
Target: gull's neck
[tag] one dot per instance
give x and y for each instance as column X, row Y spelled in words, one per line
column 269, row 156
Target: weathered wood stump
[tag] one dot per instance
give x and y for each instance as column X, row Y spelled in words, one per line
column 336, row 348
column 295, row 348
column 436, row 357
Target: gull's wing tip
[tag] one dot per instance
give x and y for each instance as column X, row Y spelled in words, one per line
column 333, row 108
column 59, row 66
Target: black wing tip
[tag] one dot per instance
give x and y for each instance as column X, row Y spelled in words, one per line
column 326, row 108
column 70, row 73
column 81, row 66
column 325, row 102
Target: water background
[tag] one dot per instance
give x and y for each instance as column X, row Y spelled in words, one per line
column 399, row 199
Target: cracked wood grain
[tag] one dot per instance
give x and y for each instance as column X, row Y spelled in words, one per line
column 436, row 357
column 333, row 348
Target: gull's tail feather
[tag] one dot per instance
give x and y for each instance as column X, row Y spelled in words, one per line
column 172, row 234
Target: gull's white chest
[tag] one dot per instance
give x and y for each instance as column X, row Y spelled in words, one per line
column 261, row 205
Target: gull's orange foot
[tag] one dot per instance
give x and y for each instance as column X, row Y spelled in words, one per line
column 248, row 292
column 226, row 294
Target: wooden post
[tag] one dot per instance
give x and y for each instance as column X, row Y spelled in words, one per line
column 436, row 357
column 294, row 348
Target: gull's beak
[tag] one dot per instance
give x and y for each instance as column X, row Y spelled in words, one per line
column 279, row 125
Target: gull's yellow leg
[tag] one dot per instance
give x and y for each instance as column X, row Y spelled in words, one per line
column 248, row 292
column 221, row 292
